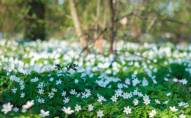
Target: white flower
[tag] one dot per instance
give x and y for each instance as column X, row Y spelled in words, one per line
column 135, row 101
column 184, row 81
column 182, row 116
column 127, row 81
column 28, row 105
column 83, row 94
column 100, row 99
column 135, row 92
column 88, row 90
column 118, row 92
column 168, row 94
column 127, row 110
column 14, row 90
column 165, row 102
column 44, row 113
column 146, row 97
column 22, row 87
column 36, row 79
column 41, row 100
column 165, row 62
column 90, row 107
column 40, row 85
column 152, row 113
column 147, row 101
column 120, row 85
column 135, row 82
column 13, row 77
column 88, row 94
column 24, row 110
column 100, row 113
column 140, row 94
column 58, row 82
column 114, row 98
column 181, row 104
column 22, row 95
column 51, row 94
column 154, row 81
column 51, row 79
column 73, row 92
column 7, row 107
column 175, row 80
column 125, row 95
column 68, row 110
column 54, row 90
column 17, row 79
column 145, row 82
column 130, row 95
column 64, row 93
column 157, row 101
column 173, row 109
column 41, row 91
column 15, row 109
column 66, row 100
column 78, row 95
column 186, row 105
column 76, row 81
column 77, row 108
column 166, row 79
column 124, row 85
column 21, row 82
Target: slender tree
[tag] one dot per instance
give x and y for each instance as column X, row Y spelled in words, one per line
column 77, row 25
column 113, row 17
column 99, row 39
column 97, row 19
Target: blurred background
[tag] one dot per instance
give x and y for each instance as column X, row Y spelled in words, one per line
column 96, row 21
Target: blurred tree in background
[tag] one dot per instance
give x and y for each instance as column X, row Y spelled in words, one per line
column 112, row 20
column 35, row 20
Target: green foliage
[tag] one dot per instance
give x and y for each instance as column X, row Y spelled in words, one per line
column 164, row 82
column 171, row 24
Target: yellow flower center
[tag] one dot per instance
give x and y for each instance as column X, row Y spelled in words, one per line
column 27, row 105
column 67, row 111
column 7, row 108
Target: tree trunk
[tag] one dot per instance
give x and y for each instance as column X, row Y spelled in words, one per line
column 77, row 25
column 97, row 19
column 35, row 26
column 105, row 15
column 113, row 16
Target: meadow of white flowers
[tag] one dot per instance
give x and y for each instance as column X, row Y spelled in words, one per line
column 144, row 81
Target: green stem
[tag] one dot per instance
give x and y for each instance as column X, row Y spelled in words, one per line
column 30, row 113
column 66, row 116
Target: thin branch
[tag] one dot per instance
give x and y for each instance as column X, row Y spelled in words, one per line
column 151, row 24
column 129, row 14
column 104, row 30
column 167, row 20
